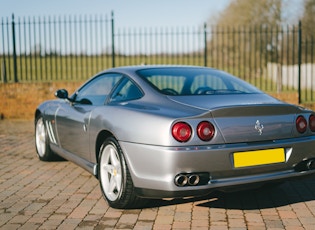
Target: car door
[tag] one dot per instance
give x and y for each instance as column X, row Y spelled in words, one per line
column 73, row 118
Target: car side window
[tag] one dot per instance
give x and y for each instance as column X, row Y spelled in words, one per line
column 126, row 91
column 96, row 91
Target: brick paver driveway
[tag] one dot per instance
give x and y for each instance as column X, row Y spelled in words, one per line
column 60, row 195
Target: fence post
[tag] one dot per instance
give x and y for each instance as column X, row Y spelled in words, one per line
column 3, row 72
column 206, row 47
column 113, row 40
column 14, row 50
column 299, row 60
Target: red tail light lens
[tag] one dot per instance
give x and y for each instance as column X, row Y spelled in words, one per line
column 312, row 122
column 205, row 131
column 181, row 131
column 301, row 124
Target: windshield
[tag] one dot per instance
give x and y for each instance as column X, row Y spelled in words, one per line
column 194, row 81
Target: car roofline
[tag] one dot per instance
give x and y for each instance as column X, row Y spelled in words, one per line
column 140, row 67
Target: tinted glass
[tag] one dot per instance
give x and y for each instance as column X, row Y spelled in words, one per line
column 126, row 91
column 95, row 92
column 195, row 81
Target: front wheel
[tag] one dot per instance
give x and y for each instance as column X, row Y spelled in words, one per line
column 115, row 180
column 42, row 141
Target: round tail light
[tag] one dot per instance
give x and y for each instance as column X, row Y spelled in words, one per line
column 312, row 122
column 181, row 131
column 301, row 124
column 205, row 131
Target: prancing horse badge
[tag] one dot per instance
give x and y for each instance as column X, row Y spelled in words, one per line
column 259, row 127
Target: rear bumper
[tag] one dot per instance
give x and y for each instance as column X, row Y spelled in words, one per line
column 231, row 184
column 154, row 168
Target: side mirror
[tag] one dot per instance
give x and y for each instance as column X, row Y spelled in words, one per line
column 62, row 94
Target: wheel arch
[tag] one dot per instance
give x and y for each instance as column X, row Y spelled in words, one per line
column 101, row 137
column 37, row 113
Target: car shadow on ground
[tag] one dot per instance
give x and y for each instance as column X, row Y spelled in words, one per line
column 287, row 193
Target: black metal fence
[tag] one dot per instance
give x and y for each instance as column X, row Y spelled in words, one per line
column 72, row 48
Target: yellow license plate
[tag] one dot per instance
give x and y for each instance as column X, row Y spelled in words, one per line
column 259, row 157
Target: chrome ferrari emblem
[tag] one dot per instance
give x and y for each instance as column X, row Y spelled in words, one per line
column 259, row 127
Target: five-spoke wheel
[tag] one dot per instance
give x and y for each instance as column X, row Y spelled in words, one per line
column 42, row 141
column 115, row 180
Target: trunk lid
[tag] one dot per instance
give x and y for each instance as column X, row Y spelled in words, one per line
column 255, row 123
column 247, row 117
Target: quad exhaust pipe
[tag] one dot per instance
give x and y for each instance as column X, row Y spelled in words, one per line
column 187, row 179
column 181, row 180
column 305, row 165
column 193, row 180
column 196, row 179
column 310, row 164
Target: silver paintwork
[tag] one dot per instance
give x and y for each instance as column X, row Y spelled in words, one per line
column 143, row 130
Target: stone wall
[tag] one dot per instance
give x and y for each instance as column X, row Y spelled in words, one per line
column 19, row 100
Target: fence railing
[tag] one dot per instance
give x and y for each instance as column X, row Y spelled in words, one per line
column 71, row 48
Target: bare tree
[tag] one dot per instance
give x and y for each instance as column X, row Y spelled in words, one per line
column 246, row 30
column 249, row 13
column 308, row 18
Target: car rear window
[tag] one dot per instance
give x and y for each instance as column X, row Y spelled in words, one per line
column 194, row 81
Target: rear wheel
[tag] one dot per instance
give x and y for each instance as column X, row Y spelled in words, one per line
column 115, row 180
column 42, row 141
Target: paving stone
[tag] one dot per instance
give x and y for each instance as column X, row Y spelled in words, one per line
column 60, row 195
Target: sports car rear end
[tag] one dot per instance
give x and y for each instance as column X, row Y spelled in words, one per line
column 251, row 144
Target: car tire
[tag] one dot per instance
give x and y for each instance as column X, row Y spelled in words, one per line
column 115, row 180
column 42, row 146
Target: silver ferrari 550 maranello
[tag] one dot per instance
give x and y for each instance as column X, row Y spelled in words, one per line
column 175, row 131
